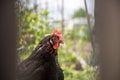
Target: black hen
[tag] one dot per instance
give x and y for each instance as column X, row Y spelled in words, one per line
column 43, row 62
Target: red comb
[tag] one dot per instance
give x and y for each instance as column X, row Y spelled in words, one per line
column 58, row 33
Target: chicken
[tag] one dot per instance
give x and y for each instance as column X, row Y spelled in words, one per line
column 43, row 62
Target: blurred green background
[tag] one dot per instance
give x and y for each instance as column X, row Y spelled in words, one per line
column 76, row 56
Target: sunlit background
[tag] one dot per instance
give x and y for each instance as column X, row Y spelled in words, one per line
column 75, row 19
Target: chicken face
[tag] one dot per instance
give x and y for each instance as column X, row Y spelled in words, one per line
column 56, row 39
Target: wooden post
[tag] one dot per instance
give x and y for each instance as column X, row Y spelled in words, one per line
column 107, row 22
column 7, row 39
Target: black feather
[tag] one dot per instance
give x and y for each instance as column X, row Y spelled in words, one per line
column 41, row 65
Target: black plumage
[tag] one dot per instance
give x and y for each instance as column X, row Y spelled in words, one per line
column 42, row 64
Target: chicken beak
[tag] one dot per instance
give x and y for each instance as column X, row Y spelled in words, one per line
column 61, row 42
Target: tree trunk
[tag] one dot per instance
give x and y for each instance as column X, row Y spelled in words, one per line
column 62, row 16
column 93, row 52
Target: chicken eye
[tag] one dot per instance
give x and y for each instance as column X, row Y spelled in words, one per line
column 55, row 39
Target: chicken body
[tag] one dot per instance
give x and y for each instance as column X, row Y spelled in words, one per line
column 42, row 64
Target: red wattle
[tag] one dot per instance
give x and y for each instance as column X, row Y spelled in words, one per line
column 56, row 46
